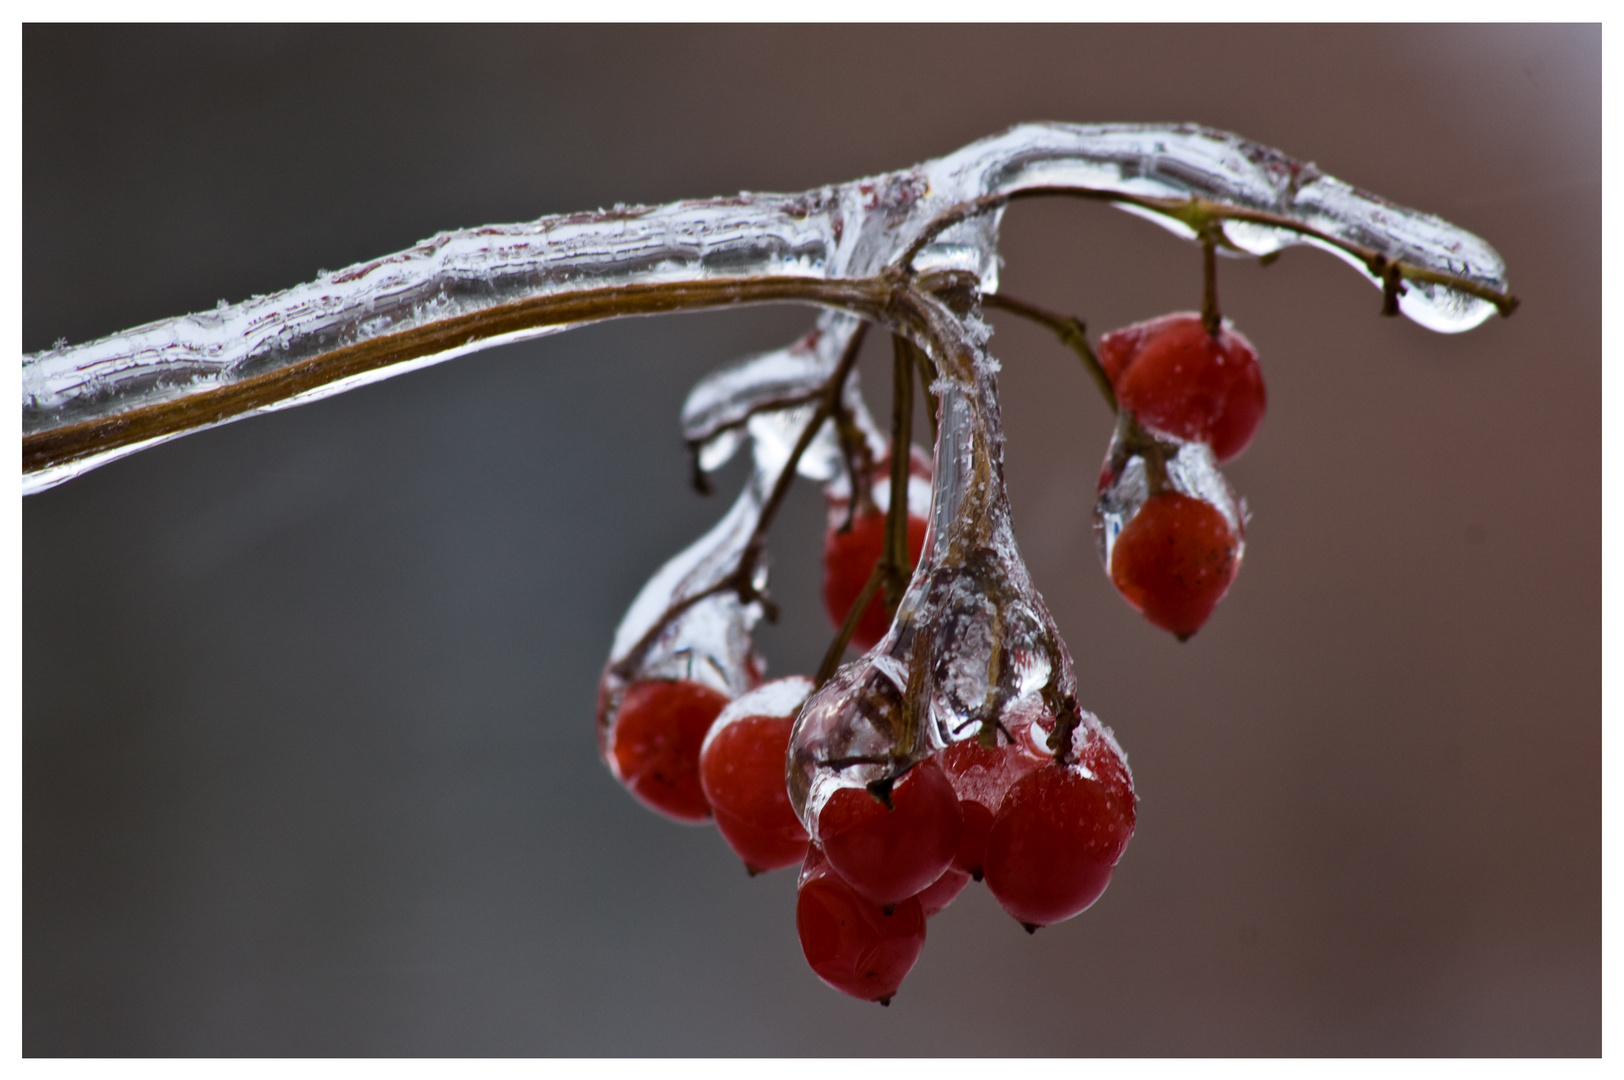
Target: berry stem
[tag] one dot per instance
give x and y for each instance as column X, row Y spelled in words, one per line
column 1210, row 318
column 1133, row 440
column 895, row 557
column 859, row 459
column 1068, row 328
column 826, row 407
column 742, row 578
column 701, row 481
column 837, row 647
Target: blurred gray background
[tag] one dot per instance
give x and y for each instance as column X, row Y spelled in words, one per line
column 308, row 753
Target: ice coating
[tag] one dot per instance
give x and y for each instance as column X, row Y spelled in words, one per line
column 773, row 394
column 469, row 289
column 837, row 492
column 780, row 698
column 985, row 777
column 973, row 647
column 1189, row 469
column 709, row 640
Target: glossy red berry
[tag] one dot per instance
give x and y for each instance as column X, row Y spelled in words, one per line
column 1179, row 380
column 653, row 746
column 848, row 561
column 980, row 777
column 943, row 891
column 855, row 945
column 888, row 855
column 741, row 768
column 1174, row 561
column 1059, row 833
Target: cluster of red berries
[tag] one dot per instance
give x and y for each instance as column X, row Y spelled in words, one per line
column 1171, row 533
column 660, row 725
column 845, row 781
column 1044, row 834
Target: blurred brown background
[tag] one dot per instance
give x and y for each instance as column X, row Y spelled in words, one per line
column 308, row 762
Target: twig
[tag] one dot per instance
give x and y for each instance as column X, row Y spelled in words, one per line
column 60, row 446
column 741, row 579
column 1210, row 318
column 837, row 647
column 895, row 558
column 702, row 482
column 1199, row 215
column 1069, row 329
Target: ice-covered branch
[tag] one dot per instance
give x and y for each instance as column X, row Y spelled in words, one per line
column 462, row 291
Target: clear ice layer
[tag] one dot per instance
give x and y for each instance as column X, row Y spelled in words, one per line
column 1190, row 469
column 708, row 641
column 771, row 396
column 847, row 230
column 973, row 646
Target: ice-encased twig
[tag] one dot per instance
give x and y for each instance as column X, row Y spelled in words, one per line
column 751, row 394
column 972, row 643
column 684, row 624
column 84, row 405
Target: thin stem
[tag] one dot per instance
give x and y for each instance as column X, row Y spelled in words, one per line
column 831, row 396
column 859, row 460
column 771, row 405
column 741, row 579
column 854, row 449
column 1069, row 329
column 896, row 518
column 1210, row 318
column 892, row 568
column 837, row 647
column 1132, row 440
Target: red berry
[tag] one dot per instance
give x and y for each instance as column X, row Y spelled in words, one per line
column 1059, row 833
column 943, row 891
column 1180, row 381
column 980, row 776
column 741, row 768
column 889, row 855
column 855, row 945
column 1174, row 561
column 848, row 560
column 653, row 745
